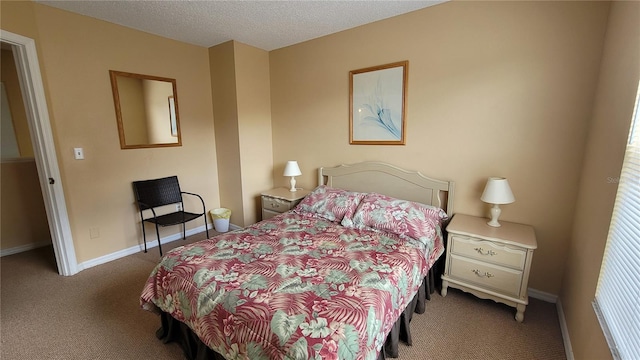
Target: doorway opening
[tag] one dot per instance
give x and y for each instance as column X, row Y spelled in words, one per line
column 32, row 89
column 24, row 219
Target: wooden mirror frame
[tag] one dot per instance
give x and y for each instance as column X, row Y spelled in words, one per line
column 172, row 105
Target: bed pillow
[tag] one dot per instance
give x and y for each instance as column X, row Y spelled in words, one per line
column 330, row 203
column 401, row 217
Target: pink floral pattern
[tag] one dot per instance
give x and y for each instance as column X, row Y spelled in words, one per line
column 292, row 287
column 404, row 218
column 330, row 203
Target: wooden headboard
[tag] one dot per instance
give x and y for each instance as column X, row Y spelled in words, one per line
column 382, row 178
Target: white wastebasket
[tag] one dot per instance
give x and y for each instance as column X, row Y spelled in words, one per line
column 221, row 218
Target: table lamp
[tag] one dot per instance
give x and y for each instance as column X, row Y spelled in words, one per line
column 292, row 169
column 496, row 192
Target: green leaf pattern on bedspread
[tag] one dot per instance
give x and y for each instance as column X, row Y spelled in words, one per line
column 292, row 287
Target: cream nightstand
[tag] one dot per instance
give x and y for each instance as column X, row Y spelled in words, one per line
column 489, row 262
column 279, row 200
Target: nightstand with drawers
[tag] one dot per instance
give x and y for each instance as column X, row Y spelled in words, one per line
column 489, row 262
column 279, row 200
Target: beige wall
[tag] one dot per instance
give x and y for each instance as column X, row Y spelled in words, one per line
column 24, row 220
column 241, row 102
column 608, row 133
column 225, row 108
column 494, row 89
column 130, row 95
column 254, row 126
column 18, row 17
column 76, row 54
column 9, row 76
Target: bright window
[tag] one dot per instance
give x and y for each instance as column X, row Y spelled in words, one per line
column 617, row 302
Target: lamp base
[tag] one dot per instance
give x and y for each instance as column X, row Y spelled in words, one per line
column 495, row 214
column 292, row 182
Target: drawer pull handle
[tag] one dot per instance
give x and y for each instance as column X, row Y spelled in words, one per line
column 275, row 205
column 488, row 252
column 486, row 274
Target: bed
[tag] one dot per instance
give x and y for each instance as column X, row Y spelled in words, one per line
column 340, row 276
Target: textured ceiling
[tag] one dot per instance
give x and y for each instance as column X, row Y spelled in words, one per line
column 267, row 25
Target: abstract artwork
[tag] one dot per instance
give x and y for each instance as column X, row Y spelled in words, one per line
column 377, row 104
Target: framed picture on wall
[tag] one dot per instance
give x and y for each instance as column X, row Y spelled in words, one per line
column 377, row 101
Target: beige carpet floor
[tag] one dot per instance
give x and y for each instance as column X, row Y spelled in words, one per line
column 96, row 315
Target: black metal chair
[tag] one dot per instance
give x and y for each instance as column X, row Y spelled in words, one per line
column 151, row 194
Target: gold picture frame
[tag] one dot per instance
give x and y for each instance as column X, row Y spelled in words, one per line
column 377, row 104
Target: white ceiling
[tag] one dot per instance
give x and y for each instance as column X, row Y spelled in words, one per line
column 267, row 25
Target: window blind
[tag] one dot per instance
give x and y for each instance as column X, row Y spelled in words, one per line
column 617, row 302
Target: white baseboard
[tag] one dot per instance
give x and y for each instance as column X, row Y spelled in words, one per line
column 151, row 244
column 544, row 296
column 116, row 255
column 23, row 248
column 568, row 350
column 138, row 248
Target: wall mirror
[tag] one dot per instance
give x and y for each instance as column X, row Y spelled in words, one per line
column 146, row 110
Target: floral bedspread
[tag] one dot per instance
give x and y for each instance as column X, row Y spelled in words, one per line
column 292, row 287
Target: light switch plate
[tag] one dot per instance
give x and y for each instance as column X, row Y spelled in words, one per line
column 78, row 153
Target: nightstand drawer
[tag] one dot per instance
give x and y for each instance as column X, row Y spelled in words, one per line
column 503, row 280
column 488, row 251
column 267, row 214
column 277, row 205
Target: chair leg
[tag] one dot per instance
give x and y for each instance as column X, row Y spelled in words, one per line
column 144, row 237
column 206, row 226
column 158, row 236
column 184, row 231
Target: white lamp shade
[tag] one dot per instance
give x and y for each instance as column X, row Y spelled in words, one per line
column 292, row 169
column 497, row 191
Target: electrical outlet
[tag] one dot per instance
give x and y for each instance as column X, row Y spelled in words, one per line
column 178, row 207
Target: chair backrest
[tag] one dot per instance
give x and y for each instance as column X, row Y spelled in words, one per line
column 157, row 192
